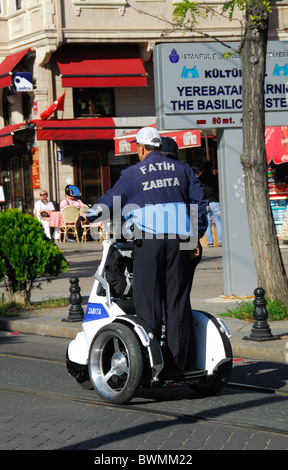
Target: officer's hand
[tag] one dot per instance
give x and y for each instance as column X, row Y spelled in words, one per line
column 195, row 253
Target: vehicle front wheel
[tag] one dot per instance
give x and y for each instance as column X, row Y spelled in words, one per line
column 115, row 363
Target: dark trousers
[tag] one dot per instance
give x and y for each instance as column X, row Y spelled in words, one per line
column 162, row 281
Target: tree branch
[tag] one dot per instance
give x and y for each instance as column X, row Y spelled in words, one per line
column 191, row 29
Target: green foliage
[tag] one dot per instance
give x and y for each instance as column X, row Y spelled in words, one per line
column 267, row 6
column 231, row 5
column 182, row 9
column 195, row 9
column 276, row 309
column 11, row 308
column 252, row 5
column 50, row 303
column 26, row 254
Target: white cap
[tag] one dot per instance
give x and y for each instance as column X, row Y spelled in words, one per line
column 148, row 136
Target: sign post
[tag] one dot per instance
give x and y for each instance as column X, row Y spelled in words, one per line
column 197, row 88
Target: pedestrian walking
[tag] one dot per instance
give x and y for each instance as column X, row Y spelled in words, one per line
column 211, row 190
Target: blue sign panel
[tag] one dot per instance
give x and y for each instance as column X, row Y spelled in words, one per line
column 59, row 156
column 95, row 311
column 23, row 81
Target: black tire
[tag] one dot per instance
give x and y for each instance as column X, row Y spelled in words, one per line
column 86, row 384
column 217, row 382
column 115, row 363
column 79, row 372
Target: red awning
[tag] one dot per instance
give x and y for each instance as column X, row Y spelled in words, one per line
column 276, row 143
column 7, row 132
column 184, row 139
column 75, row 129
column 7, row 66
column 101, row 67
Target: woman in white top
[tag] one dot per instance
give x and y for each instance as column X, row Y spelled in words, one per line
column 43, row 209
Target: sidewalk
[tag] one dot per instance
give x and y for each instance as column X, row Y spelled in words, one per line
column 206, row 295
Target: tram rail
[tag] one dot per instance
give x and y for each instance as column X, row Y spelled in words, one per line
column 145, row 406
column 147, row 410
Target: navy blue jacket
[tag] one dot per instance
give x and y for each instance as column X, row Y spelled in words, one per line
column 159, row 195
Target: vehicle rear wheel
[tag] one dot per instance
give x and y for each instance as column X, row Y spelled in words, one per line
column 115, row 363
column 217, row 381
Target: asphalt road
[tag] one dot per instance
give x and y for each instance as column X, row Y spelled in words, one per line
column 43, row 408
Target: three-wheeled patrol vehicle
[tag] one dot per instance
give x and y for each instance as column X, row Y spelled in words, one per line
column 117, row 353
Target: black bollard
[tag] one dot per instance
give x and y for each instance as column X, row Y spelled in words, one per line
column 260, row 330
column 76, row 312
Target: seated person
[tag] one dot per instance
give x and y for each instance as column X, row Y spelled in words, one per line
column 43, row 209
column 72, row 197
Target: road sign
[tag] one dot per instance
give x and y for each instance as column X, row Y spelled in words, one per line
column 59, row 156
column 197, row 88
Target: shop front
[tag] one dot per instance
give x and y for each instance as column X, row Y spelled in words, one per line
column 16, row 139
column 84, row 144
column 193, row 146
column 276, row 143
column 16, row 163
column 95, row 74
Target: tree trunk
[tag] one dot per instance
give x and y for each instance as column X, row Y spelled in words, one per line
column 267, row 256
column 20, row 297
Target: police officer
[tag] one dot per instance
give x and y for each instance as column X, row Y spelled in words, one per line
column 158, row 198
column 169, row 148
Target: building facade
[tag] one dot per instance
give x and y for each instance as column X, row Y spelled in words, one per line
column 75, row 74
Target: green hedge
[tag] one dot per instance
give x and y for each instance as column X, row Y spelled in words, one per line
column 27, row 256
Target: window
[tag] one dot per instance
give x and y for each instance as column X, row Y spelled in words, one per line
column 5, row 180
column 98, row 102
column 15, row 175
column 18, row 4
column 116, row 165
